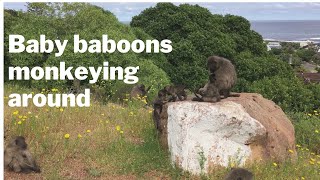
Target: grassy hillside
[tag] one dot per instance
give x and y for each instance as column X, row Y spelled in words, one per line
column 114, row 141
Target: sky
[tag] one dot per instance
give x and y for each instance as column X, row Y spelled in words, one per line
column 251, row 11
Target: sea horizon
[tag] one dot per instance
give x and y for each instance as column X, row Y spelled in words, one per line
column 285, row 30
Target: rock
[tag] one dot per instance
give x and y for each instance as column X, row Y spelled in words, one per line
column 237, row 130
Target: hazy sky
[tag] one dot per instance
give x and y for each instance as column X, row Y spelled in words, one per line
column 252, row 11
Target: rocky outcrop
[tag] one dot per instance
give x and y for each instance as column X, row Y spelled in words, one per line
column 237, row 130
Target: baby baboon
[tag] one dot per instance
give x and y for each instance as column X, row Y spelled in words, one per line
column 239, row 174
column 176, row 91
column 157, row 107
column 139, row 90
column 222, row 74
column 75, row 88
column 18, row 158
column 209, row 93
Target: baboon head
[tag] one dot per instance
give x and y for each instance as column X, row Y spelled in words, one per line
column 139, row 90
column 20, row 142
column 213, row 63
column 239, row 174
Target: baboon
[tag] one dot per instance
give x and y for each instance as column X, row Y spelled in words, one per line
column 209, row 93
column 18, row 158
column 139, row 90
column 157, row 107
column 222, row 78
column 239, row 174
column 222, row 74
column 176, row 91
column 75, row 88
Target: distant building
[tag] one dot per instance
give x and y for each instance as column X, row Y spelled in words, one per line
column 273, row 45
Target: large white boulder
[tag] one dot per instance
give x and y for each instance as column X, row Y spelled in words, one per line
column 200, row 134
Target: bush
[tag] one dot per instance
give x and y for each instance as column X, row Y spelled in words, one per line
column 289, row 93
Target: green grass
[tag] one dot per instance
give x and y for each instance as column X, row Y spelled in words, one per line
column 117, row 141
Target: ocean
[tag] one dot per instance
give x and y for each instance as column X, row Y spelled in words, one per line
column 293, row 30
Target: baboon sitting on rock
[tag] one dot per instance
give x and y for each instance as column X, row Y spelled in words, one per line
column 222, row 77
column 176, row 91
column 18, row 158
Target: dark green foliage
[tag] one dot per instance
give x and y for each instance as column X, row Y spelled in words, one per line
column 253, row 68
column 289, row 93
column 306, row 54
column 197, row 34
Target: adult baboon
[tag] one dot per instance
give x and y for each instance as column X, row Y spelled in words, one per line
column 139, row 90
column 239, row 174
column 176, row 91
column 222, row 74
column 18, row 158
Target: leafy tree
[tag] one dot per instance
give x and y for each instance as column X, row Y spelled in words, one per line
column 197, row 34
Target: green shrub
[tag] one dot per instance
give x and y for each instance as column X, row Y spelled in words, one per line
column 289, row 93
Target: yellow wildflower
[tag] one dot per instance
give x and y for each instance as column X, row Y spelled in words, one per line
column 107, row 121
column 290, row 151
column 316, row 131
column 125, row 99
column 302, row 178
column 24, row 117
column 61, row 109
column 118, row 128
column 232, row 165
column 144, row 101
column 79, row 136
column 19, row 122
column 121, row 132
column 29, row 112
column 309, row 114
column 15, row 112
column 312, row 159
column 20, row 117
column 275, row 164
column 298, row 145
column 150, row 111
column 88, row 131
column 311, row 162
column 67, row 136
column 131, row 113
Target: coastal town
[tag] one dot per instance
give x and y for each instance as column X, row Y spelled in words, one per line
column 303, row 56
